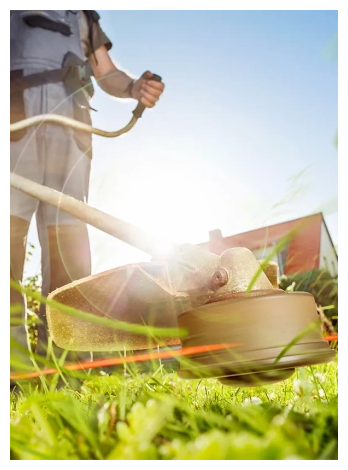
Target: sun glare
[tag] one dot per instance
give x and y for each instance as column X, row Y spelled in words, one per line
column 175, row 201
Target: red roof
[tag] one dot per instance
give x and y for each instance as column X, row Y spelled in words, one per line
column 302, row 235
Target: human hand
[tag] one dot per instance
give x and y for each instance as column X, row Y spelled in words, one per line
column 147, row 91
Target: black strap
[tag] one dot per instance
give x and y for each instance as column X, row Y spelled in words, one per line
column 37, row 79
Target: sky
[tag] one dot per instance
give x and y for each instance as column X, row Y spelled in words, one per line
column 243, row 136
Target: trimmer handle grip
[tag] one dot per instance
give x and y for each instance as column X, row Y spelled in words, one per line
column 138, row 111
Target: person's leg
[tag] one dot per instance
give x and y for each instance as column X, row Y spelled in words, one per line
column 18, row 237
column 64, row 240
column 24, row 162
column 18, row 329
column 65, row 256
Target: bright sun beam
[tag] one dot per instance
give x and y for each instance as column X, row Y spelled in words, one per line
column 179, row 202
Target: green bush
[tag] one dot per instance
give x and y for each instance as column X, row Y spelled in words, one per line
column 320, row 284
column 32, row 283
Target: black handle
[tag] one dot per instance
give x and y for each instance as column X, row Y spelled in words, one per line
column 138, row 111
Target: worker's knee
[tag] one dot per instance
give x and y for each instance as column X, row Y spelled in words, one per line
column 69, row 254
column 70, row 241
column 19, row 228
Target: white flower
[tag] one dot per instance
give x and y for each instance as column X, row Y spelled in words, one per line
column 301, row 387
column 291, row 287
column 298, row 388
column 272, row 396
column 278, row 420
column 253, row 400
column 321, row 393
column 320, row 377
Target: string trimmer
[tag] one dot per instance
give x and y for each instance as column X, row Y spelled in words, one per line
column 231, row 299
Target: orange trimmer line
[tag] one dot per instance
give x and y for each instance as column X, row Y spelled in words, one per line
column 138, row 358
column 331, row 337
column 125, row 360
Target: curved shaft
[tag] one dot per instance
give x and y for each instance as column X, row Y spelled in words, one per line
column 65, row 121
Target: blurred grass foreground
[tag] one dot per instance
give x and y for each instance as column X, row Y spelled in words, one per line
column 134, row 415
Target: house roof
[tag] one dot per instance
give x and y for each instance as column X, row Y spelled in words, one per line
column 264, row 236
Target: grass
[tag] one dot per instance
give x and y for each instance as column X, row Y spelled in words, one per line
column 146, row 412
column 133, row 415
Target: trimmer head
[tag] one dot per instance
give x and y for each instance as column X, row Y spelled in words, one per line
column 273, row 334
column 229, row 300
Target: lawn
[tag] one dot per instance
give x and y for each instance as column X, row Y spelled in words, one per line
column 129, row 414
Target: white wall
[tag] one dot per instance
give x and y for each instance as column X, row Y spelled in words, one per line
column 264, row 252
column 327, row 251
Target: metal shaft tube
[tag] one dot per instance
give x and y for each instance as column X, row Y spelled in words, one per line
column 124, row 231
